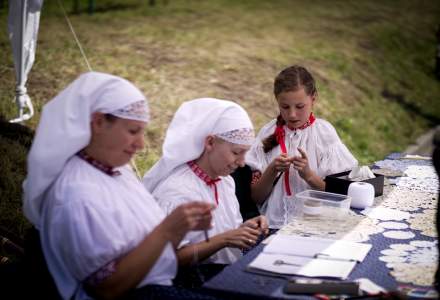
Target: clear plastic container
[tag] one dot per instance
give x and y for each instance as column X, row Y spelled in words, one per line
column 317, row 204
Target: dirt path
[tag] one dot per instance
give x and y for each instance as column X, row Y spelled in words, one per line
column 423, row 145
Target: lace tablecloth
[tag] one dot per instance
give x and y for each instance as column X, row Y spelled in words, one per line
column 402, row 232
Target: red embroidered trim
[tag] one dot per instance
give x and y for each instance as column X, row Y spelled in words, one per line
column 280, row 135
column 102, row 274
column 309, row 122
column 100, row 166
column 205, row 177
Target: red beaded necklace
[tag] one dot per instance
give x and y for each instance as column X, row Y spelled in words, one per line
column 97, row 164
column 205, row 177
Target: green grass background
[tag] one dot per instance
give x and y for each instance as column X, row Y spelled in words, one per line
column 373, row 61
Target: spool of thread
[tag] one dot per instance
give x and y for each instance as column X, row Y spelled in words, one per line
column 361, row 193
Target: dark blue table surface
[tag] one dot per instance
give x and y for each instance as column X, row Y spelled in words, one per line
column 235, row 278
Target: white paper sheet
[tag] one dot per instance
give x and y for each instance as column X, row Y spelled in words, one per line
column 317, row 247
column 303, row 266
column 369, row 286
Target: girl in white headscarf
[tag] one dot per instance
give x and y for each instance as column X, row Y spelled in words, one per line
column 205, row 142
column 102, row 233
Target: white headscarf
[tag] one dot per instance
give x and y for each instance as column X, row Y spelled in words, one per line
column 191, row 124
column 65, row 128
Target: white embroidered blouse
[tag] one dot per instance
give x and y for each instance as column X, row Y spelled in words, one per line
column 184, row 186
column 326, row 155
column 91, row 219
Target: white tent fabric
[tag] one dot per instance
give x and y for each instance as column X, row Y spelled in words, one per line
column 23, row 21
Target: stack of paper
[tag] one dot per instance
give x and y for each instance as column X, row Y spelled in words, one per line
column 309, row 256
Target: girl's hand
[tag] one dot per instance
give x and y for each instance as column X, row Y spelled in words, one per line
column 259, row 223
column 281, row 163
column 243, row 237
column 301, row 163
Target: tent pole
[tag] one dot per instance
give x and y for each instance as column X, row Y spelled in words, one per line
column 22, row 33
column 21, row 96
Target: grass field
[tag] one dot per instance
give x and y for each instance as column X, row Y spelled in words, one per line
column 373, row 61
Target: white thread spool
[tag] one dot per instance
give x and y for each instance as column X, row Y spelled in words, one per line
column 361, row 193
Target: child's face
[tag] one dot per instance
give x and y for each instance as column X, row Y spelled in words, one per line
column 224, row 157
column 295, row 107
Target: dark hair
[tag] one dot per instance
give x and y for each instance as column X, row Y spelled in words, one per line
column 290, row 79
column 110, row 118
column 271, row 141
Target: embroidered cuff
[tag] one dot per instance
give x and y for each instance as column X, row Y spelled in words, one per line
column 102, row 274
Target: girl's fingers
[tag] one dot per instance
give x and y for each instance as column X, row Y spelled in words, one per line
column 299, row 160
column 249, row 242
column 244, row 243
column 251, row 224
column 299, row 165
column 262, row 221
column 303, row 153
column 254, row 231
column 253, row 236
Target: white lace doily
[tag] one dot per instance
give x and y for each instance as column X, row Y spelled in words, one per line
column 352, row 227
column 407, row 200
column 414, row 263
column 425, row 222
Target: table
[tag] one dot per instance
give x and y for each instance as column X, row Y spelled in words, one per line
column 411, row 186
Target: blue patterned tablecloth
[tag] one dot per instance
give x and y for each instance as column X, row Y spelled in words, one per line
column 235, row 278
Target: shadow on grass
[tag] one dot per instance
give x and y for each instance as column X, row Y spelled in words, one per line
column 410, row 107
column 16, row 132
column 15, row 142
column 85, row 9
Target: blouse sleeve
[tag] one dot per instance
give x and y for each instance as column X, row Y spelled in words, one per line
column 86, row 232
column 169, row 196
column 335, row 156
column 256, row 159
column 336, row 159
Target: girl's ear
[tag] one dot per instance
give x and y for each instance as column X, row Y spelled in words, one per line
column 97, row 122
column 209, row 142
column 314, row 97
